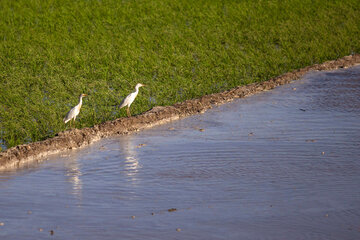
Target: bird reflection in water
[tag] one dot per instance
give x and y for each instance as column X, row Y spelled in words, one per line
column 73, row 174
column 131, row 163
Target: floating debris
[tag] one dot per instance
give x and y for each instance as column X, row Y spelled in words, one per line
column 171, row 128
column 172, row 210
column 251, row 134
column 201, row 129
column 310, row 140
column 133, row 217
column 40, row 229
column 294, row 89
column 51, row 232
column 322, row 153
column 2, row 224
column 141, row 145
column 178, row 229
column 29, row 212
column 302, row 109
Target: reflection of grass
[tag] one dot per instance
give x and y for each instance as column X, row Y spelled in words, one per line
column 51, row 51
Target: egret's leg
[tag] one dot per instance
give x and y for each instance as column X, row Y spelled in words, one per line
column 128, row 112
column 74, row 123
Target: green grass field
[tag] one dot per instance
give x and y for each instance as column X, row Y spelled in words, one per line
column 53, row 50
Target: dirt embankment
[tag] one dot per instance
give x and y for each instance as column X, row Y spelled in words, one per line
column 33, row 152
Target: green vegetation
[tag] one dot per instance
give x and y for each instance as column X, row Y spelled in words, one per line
column 53, row 50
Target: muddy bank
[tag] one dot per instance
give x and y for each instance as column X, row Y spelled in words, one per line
column 76, row 138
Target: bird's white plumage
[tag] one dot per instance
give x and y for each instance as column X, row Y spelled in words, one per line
column 130, row 98
column 74, row 111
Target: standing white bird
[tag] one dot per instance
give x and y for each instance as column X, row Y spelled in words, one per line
column 74, row 111
column 130, row 98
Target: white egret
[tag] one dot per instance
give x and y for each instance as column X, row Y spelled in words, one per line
column 130, row 98
column 74, row 111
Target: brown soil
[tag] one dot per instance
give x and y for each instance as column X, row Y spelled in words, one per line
column 75, row 138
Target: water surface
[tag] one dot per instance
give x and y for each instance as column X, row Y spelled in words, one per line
column 282, row 164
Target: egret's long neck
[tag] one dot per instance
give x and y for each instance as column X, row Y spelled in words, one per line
column 136, row 89
column 80, row 101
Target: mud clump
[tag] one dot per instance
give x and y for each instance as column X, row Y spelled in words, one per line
column 76, row 138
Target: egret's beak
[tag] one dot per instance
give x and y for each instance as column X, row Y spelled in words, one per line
column 84, row 95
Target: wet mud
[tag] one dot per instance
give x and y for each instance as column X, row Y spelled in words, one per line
column 76, row 138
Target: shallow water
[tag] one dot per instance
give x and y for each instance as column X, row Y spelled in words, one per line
column 282, row 164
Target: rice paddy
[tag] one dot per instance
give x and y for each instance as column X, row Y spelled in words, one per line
column 52, row 51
